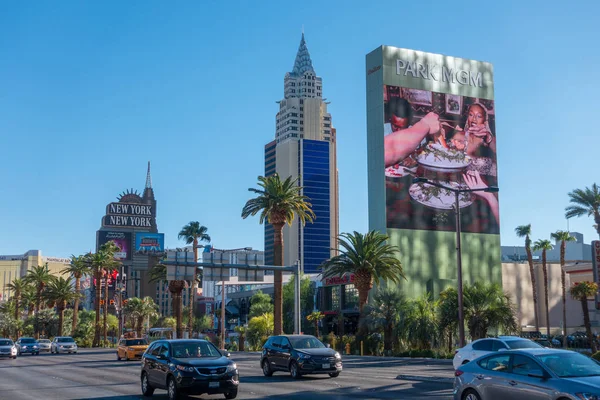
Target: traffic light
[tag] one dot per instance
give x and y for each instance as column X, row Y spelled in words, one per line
column 112, row 302
column 101, row 302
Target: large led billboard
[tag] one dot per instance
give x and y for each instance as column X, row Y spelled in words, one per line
column 121, row 239
column 433, row 116
column 148, row 243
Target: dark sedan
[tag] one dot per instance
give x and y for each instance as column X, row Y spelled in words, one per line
column 188, row 367
column 300, row 355
column 27, row 345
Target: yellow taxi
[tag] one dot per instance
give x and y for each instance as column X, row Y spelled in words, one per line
column 130, row 349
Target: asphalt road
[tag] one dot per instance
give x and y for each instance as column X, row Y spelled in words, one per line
column 96, row 374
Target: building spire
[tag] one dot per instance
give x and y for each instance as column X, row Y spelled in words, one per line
column 303, row 63
column 148, row 178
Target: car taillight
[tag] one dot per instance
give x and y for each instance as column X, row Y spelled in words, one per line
column 458, row 372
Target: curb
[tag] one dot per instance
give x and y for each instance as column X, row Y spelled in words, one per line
column 425, row 378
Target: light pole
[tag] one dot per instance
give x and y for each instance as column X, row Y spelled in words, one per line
column 457, row 192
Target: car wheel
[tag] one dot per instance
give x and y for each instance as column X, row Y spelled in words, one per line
column 118, row 356
column 334, row 374
column 231, row 395
column 172, row 389
column 470, row 395
column 126, row 357
column 147, row 390
column 295, row 370
column 266, row 368
column 465, row 362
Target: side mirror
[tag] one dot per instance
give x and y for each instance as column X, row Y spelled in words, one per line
column 225, row 353
column 537, row 373
column 328, row 345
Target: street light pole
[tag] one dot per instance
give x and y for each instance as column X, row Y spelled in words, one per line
column 461, row 310
column 297, row 312
column 457, row 192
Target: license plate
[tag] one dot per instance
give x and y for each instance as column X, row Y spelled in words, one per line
column 213, row 384
column 325, row 366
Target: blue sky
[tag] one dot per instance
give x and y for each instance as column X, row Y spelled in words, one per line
column 93, row 90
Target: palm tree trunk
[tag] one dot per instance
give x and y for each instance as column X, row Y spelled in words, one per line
column 564, row 291
column 317, row 328
column 104, row 324
column 76, row 304
column 278, row 278
column 98, row 288
column 38, row 304
column 387, row 337
column 588, row 325
column 533, row 288
column 138, row 328
column 193, row 291
column 179, row 317
column 17, row 300
column 545, row 272
column 61, row 318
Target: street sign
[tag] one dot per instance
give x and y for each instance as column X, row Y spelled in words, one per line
column 215, row 274
column 249, row 275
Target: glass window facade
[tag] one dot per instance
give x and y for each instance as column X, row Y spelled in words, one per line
column 314, row 171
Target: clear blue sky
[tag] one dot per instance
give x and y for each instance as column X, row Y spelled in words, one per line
column 93, row 90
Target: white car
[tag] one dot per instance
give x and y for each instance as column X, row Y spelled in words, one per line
column 63, row 344
column 44, row 344
column 8, row 348
column 481, row 347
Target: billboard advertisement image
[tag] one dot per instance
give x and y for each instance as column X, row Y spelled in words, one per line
column 121, row 239
column 431, row 119
column 149, row 243
column 450, row 140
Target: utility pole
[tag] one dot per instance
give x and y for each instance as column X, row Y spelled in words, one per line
column 297, row 312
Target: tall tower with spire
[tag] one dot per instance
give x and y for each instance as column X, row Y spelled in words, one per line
column 305, row 147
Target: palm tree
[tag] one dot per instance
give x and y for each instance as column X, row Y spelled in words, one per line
column 448, row 314
column 585, row 202
column 60, row 292
column 138, row 310
column 17, row 286
column 487, row 306
column 388, row 305
column 315, row 317
column 78, row 268
column 110, row 248
column 544, row 245
column 29, row 298
column 369, row 258
column 193, row 233
column 278, row 203
column 525, row 231
column 419, row 324
column 38, row 276
column 158, row 273
column 582, row 291
column 563, row 237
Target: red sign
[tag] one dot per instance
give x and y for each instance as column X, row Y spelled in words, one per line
column 339, row 280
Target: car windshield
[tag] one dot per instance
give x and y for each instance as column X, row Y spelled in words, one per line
column 136, row 342
column 27, row 340
column 64, row 340
column 195, row 350
column 5, row 342
column 570, row 365
column 522, row 344
column 306, row 343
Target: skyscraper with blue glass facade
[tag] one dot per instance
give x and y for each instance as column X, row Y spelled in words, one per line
column 305, row 148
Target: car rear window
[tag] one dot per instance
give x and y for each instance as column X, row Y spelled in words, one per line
column 522, row 344
column 135, row 342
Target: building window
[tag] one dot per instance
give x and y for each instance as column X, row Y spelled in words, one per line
column 350, row 297
column 332, row 298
